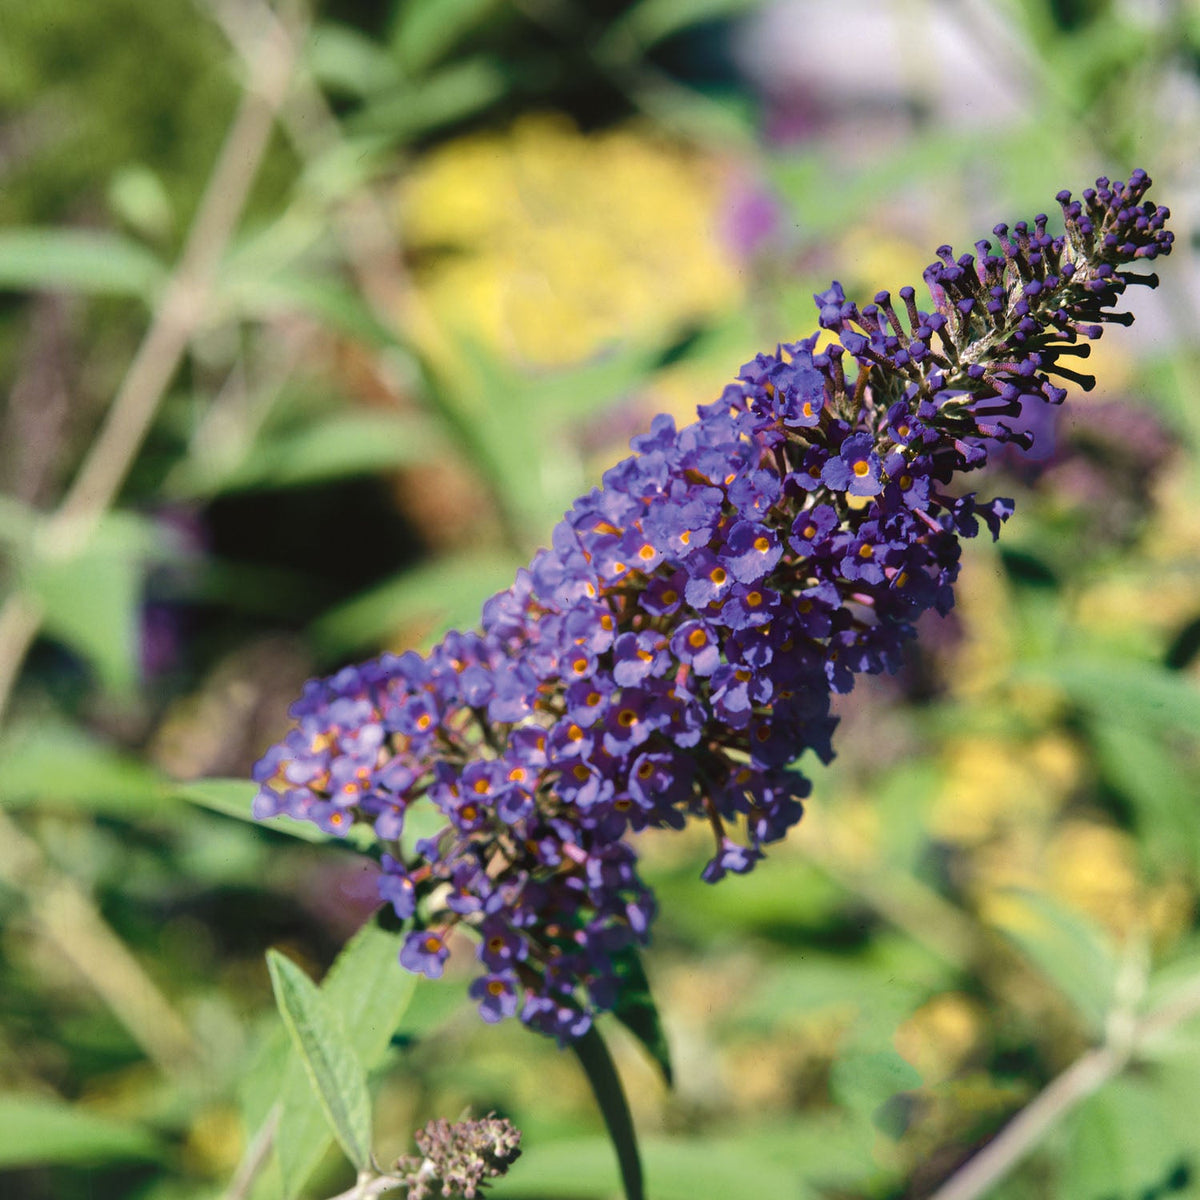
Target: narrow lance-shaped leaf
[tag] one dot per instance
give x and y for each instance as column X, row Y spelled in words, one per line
column 333, row 1067
column 78, row 260
column 636, row 1010
column 371, row 996
column 606, row 1086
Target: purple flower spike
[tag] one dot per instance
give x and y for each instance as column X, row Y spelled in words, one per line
column 676, row 648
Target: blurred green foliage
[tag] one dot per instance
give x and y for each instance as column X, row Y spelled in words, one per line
column 485, row 242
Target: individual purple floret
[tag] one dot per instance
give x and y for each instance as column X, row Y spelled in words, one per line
column 675, row 650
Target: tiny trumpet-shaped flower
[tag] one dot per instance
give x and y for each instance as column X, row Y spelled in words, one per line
column 675, row 649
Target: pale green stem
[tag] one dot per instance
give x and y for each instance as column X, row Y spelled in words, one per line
column 178, row 316
column 1083, row 1078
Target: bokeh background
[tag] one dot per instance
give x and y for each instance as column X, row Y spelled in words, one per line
column 482, row 243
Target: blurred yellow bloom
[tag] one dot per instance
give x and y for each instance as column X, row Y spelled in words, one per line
column 547, row 245
column 994, row 786
column 880, row 259
column 941, row 1035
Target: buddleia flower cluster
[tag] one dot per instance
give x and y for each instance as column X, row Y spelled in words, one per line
column 458, row 1158
column 674, row 651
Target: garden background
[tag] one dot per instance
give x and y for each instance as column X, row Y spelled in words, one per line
column 312, row 323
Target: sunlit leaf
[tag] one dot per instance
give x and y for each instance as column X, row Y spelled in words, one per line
column 346, row 60
column 370, row 991
column 425, row 30
column 233, row 798
column 77, row 260
column 447, row 95
column 331, row 1062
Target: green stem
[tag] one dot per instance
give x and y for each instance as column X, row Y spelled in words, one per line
column 605, row 1083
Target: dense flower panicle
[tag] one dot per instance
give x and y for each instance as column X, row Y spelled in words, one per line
column 675, row 649
column 458, row 1159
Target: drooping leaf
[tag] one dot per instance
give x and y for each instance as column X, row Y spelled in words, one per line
column 37, row 1132
column 606, row 1086
column 636, row 1010
column 330, row 1060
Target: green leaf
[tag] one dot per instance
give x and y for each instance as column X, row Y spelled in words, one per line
column 1067, row 948
column 426, row 30
column 332, row 1064
column 448, row 95
column 606, row 1086
column 1127, row 1140
column 371, row 991
column 137, row 196
column 519, row 419
column 1159, row 785
column 450, row 591
column 653, row 20
column 1142, row 694
column 285, row 292
column 235, row 798
column 91, row 599
column 78, row 260
column 37, row 1132
column 339, row 446
column 50, row 762
column 863, row 1080
column 636, row 1010
column 345, row 60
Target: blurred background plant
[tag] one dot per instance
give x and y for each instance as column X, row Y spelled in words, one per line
column 313, row 321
